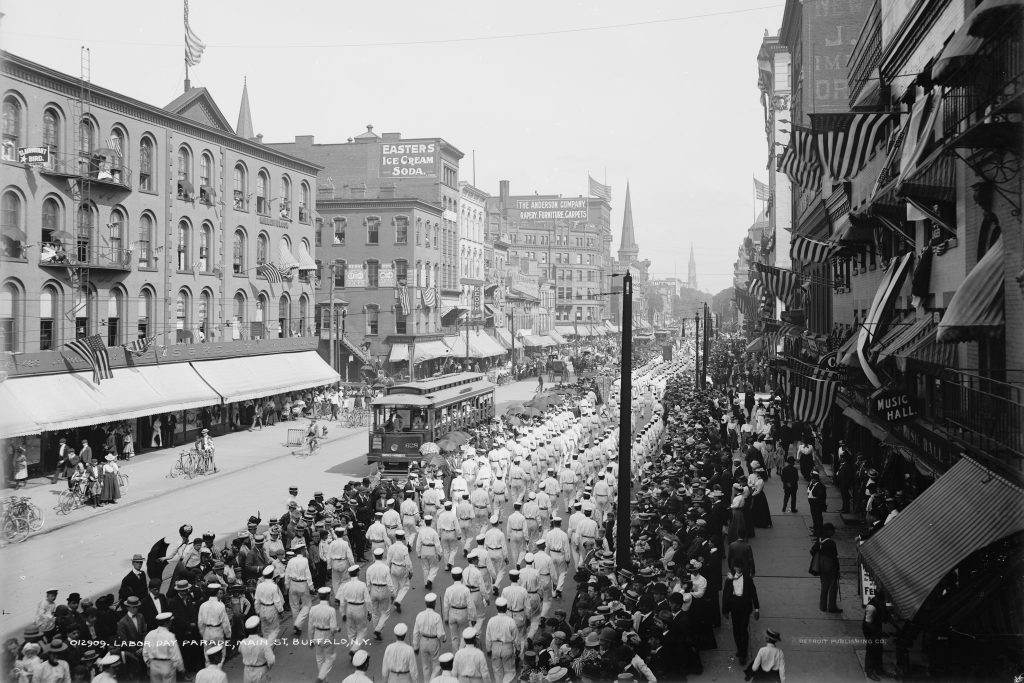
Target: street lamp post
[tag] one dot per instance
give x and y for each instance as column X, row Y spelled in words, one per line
column 623, row 548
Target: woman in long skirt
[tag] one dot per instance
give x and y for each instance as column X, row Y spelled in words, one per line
column 110, row 488
column 761, row 516
column 738, row 520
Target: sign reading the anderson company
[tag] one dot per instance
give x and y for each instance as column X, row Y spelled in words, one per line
column 895, row 407
column 552, row 209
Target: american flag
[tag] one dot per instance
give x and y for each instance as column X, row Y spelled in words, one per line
column 92, row 350
column 114, row 143
column 271, row 272
column 806, row 250
column 403, row 297
column 600, row 190
column 193, row 46
column 800, row 160
column 780, row 282
column 845, row 140
column 139, row 346
column 810, row 396
column 761, row 190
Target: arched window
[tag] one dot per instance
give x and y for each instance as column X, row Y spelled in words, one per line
column 184, row 245
column 147, row 177
column 12, row 128
column 145, row 312
column 285, row 197
column 303, row 315
column 145, row 240
column 262, row 187
column 115, row 302
column 51, row 219
column 262, row 304
column 419, row 228
column 51, row 131
column 85, row 307
column 238, row 252
column 84, row 232
column 183, row 310
column 238, row 309
column 185, row 189
column 117, row 146
column 117, row 227
column 13, row 224
column 205, row 315
column 10, row 317
column 284, row 314
column 206, row 169
column 86, row 137
column 262, row 248
column 239, row 197
column 49, row 305
column 304, row 202
column 206, row 248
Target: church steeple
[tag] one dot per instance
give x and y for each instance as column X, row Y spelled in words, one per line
column 691, row 276
column 628, row 249
column 244, row 127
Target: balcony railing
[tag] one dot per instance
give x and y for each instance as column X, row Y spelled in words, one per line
column 984, row 413
column 867, row 53
column 100, row 168
column 83, row 254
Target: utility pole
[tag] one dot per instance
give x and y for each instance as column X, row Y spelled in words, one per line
column 334, row 365
column 467, row 339
column 696, row 346
column 707, row 338
column 512, row 332
column 344, row 314
column 623, row 548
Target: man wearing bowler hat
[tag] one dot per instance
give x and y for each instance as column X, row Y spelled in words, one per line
column 131, row 632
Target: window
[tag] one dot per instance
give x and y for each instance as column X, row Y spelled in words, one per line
column 239, row 198
column 437, row 236
column 401, row 271
column 205, row 248
column 303, row 314
column 372, row 274
column 47, row 329
column 318, row 233
column 183, row 310
column 85, row 223
column 117, row 228
column 11, row 221
column 238, row 252
column 401, row 229
column 401, row 325
column 206, row 178
column 114, row 304
column 205, row 314
column 304, row 202
column 262, row 200
column 339, row 274
column 286, row 197
column 284, row 314
column 51, row 221
column 145, row 239
column 185, row 189
column 591, row 276
column 117, row 144
column 262, row 248
column 451, row 177
column 339, row 230
column 419, row 228
column 51, row 132
column 184, row 245
column 12, row 129
column 319, row 273
column 238, row 312
column 146, row 177
column 87, row 137
column 372, row 319
column 373, row 230
column 85, row 312
column 10, row 315
column 145, row 306
column 262, row 305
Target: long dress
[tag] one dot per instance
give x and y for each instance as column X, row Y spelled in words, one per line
column 738, row 520
column 761, row 516
column 110, row 489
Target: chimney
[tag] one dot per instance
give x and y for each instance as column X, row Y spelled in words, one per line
column 259, row 138
column 503, row 193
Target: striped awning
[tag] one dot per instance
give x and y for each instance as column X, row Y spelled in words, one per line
column 968, row 508
column 565, row 330
column 503, row 336
column 903, row 336
column 534, row 340
column 880, row 311
column 305, row 259
column 486, row 345
column 285, row 256
column 556, row 337
column 976, row 310
column 929, row 351
column 425, row 350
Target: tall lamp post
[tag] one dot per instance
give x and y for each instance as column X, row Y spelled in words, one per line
column 696, row 348
column 623, row 549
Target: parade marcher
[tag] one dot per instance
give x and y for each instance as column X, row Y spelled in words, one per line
column 161, row 653
column 268, row 604
column 516, row 596
column 474, row 579
column 467, row 521
column 515, row 530
column 497, row 553
column 450, row 531
column 300, row 584
column 353, row 598
column 339, row 558
column 410, row 512
column 457, row 608
column 445, row 662
column 214, row 623
column 428, row 550
column 427, row 636
column 361, row 662
column 381, row 588
column 557, row 544
column 398, row 664
column 469, row 663
column 213, row 672
column 257, row 653
column 377, row 534
column 545, row 575
column 400, row 565
column 323, row 625
column 500, row 639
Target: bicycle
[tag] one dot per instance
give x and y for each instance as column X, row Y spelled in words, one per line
column 184, row 465
column 122, row 479
column 70, row 500
column 20, row 518
column 22, row 506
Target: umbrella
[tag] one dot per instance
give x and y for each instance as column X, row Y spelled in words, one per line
column 61, row 236
column 543, row 402
column 530, row 412
column 514, row 408
column 429, row 448
column 514, row 421
column 447, row 444
column 460, row 436
column 438, row 460
column 155, row 563
column 14, row 232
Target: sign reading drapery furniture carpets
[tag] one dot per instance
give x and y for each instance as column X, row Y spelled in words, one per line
column 408, row 159
column 551, row 209
column 895, row 406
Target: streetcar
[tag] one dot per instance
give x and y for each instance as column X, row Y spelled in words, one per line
column 411, row 414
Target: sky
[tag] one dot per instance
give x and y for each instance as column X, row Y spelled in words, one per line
column 660, row 93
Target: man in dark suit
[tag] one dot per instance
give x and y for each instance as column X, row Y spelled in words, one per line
column 185, row 624
column 134, row 582
column 828, row 559
column 790, row 482
column 740, row 552
column 155, row 602
column 131, row 632
column 85, row 455
column 816, row 501
column 739, row 599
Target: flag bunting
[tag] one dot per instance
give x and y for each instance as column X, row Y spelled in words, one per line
column 92, row 350
column 806, row 250
column 600, row 190
column 193, row 46
column 781, row 283
column 810, row 396
column 139, row 346
column 844, row 148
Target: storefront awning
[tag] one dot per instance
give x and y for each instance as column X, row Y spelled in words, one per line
column 533, row 340
column 486, row 344
column 976, row 310
column 556, row 337
column 928, row 350
column 504, row 337
column 968, row 508
column 425, row 350
column 70, row 400
column 240, row 379
column 880, row 311
column 949, row 69
column 15, row 420
column 306, row 261
column 756, row 345
column 285, row 256
column 903, row 337
column 449, row 316
column 565, row 330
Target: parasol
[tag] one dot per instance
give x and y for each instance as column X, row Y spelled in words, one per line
column 61, row 236
column 459, row 436
column 447, row 444
column 429, row 448
column 529, row 412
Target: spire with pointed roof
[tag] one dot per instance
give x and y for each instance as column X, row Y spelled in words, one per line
column 628, row 249
column 691, row 276
column 244, row 127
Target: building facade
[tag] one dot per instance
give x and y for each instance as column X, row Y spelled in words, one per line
column 471, row 230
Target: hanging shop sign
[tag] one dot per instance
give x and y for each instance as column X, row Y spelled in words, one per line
column 894, row 407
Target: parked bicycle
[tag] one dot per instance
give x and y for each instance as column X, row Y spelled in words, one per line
column 20, row 517
column 70, row 500
column 191, row 463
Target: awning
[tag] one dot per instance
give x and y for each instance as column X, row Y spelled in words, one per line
column 928, row 350
column 966, row 509
column 549, row 340
column 534, row 340
column 556, row 337
column 492, row 310
column 457, row 344
column 449, row 316
column 306, row 261
column 612, row 327
column 992, row 16
column 881, row 310
column 904, row 337
column 240, row 379
column 425, row 350
column 565, row 330
column 503, row 336
column 70, row 400
column 951, row 66
column 486, row 344
column 15, row 420
column 756, row 345
column 480, row 345
column 598, row 330
column 865, row 421
column 846, row 354
column 285, row 256
column 976, row 310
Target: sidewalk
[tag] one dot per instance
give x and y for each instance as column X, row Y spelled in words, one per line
column 818, row 646
column 149, row 473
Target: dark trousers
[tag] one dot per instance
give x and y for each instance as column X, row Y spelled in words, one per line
column 788, row 498
column 712, row 595
column 741, row 633
column 844, row 491
column 816, row 512
column 874, row 649
column 829, row 591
